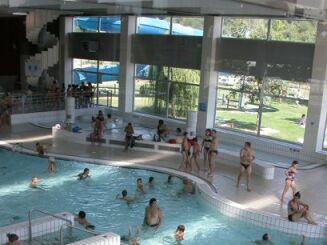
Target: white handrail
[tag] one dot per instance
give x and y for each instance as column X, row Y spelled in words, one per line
column 43, row 212
column 73, row 227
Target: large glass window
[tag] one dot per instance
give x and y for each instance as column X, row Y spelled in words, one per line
column 266, row 106
column 190, row 26
column 153, row 25
column 245, row 28
column 104, row 77
column 109, row 24
column 293, row 30
column 166, row 91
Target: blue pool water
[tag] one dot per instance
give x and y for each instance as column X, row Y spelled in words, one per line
column 96, row 196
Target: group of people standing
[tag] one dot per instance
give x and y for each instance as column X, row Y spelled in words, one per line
column 191, row 150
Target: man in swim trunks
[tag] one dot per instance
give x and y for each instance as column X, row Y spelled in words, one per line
column 151, row 182
column 153, row 215
column 213, row 152
column 247, row 155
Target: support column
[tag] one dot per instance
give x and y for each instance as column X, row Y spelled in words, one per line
column 209, row 75
column 317, row 108
column 126, row 82
column 65, row 62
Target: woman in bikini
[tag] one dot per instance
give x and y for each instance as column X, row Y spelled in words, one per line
column 206, row 146
column 247, row 155
column 290, row 179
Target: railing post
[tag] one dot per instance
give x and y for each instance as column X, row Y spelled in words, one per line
column 30, row 225
column 107, row 98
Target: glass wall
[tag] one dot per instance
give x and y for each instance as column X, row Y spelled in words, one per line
column 163, row 25
column 166, row 91
column 104, row 77
column 260, row 98
column 108, row 24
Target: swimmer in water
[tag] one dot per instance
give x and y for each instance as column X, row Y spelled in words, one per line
column 81, row 219
column 151, row 182
column 124, row 196
column 84, row 174
column 179, row 233
column 140, row 186
column 35, row 182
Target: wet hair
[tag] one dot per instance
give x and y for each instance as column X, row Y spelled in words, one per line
column 81, row 214
column 248, row 143
column 297, row 195
column 185, row 133
column 208, row 130
column 181, row 228
column 129, row 124
column 12, row 237
column 37, row 143
column 265, row 237
column 124, row 193
column 152, row 200
column 295, row 162
column 139, row 179
column 214, row 131
column 85, row 170
column 161, row 121
column 178, row 130
column 169, row 178
column 109, row 115
column 151, row 179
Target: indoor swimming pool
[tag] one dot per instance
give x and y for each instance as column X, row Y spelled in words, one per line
column 63, row 191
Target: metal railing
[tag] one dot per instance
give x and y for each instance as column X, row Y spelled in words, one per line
column 42, row 212
column 61, row 237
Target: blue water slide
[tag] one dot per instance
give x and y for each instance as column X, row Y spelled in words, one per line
column 108, row 73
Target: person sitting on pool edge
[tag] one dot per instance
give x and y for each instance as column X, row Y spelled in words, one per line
column 297, row 210
column 12, row 239
column 153, row 214
column 85, row 174
column 266, row 240
column 81, row 219
column 124, row 196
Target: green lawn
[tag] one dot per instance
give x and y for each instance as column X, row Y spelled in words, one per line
column 279, row 120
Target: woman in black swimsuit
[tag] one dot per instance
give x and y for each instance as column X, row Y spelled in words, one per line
column 206, row 147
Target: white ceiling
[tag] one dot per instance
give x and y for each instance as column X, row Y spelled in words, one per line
column 315, row 9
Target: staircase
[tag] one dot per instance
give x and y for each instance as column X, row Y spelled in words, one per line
column 36, row 33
